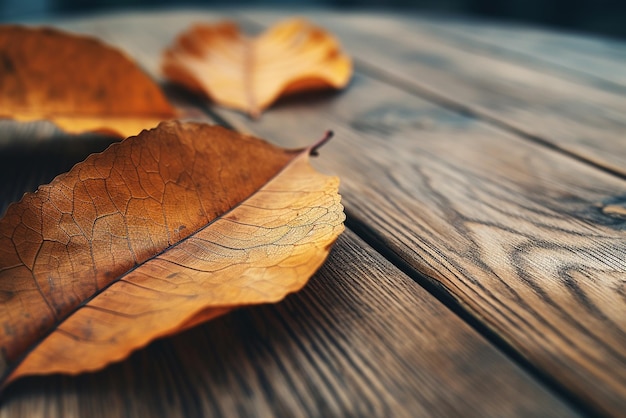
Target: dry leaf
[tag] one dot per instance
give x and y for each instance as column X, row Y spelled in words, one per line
column 250, row 74
column 77, row 82
column 156, row 234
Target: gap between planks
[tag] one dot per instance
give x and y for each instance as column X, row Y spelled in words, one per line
column 467, row 110
column 435, row 289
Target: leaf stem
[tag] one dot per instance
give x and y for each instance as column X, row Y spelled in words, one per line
column 327, row 136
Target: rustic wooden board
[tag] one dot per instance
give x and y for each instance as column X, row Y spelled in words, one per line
column 362, row 339
column 352, row 343
column 528, row 240
column 581, row 119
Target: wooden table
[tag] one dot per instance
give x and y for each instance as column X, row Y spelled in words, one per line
column 483, row 271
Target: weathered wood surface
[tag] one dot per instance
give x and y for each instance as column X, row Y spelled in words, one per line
column 530, row 241
column 527, row 240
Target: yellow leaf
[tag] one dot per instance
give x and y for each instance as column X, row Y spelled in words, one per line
column 250, row 74
column 156, row 234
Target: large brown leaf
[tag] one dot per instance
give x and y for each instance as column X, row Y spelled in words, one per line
column 250, row 74
column 155, row 234
column 75, row 81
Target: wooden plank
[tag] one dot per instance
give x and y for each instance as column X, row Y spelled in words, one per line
column 434, row 235
column 580, row 119
column 530, row 241
column 527, row 240
column 596, row 61
column 532, row 244
column 350, row 344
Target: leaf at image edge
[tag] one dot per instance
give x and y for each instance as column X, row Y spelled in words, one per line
column 77, row 82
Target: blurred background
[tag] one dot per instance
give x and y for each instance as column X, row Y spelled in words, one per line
column 603, row 17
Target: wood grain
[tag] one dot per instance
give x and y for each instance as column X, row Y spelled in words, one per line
column 578, row 118
column 525, row 238
column 362, row 339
